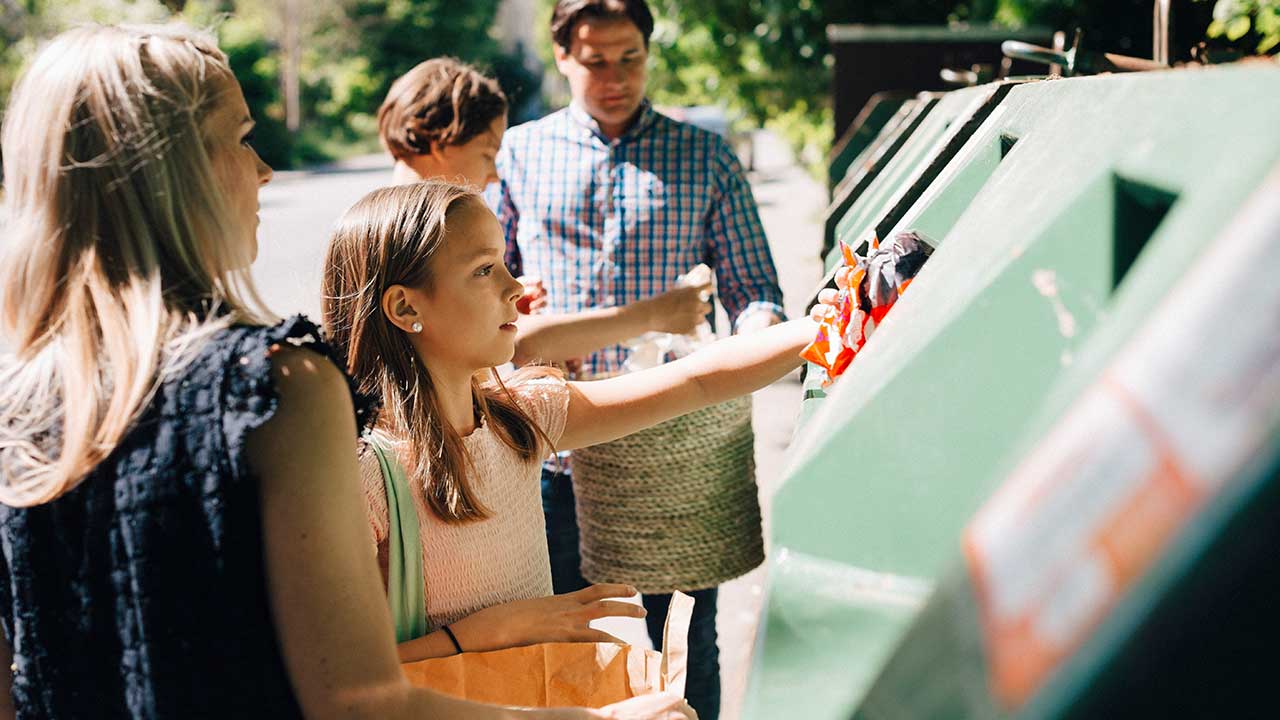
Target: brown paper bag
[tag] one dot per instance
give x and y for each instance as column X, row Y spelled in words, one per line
column 564, row 674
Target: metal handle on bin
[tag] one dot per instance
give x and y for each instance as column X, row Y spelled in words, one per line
column 958, row 77
column 1076, row 61
column 1160, row 32
column 1019, row 50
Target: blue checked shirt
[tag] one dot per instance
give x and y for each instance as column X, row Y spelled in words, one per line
column 607, row 223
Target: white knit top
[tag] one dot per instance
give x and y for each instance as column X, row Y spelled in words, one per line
column 474, row 565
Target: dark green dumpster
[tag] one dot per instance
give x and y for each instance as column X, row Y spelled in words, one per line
column 1061, row 222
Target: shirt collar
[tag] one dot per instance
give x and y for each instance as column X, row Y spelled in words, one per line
column 643, row 122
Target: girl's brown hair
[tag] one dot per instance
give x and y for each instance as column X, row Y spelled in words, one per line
column 439, row 102
column 389, row 238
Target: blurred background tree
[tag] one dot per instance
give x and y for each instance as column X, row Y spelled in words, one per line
column 769, row 61
column 314, row 71
column 1252, row 24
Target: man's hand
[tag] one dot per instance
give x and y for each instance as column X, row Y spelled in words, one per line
column 677, row 311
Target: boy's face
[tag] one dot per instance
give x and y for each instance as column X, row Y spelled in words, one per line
column 606, row 69
column 474, row 162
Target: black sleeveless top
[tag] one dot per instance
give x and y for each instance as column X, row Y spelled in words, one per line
column 142, row 592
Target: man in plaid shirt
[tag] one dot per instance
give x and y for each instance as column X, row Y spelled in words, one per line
column 609, row 202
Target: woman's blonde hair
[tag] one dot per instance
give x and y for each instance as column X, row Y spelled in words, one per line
column 390, row 237
column 122, row 254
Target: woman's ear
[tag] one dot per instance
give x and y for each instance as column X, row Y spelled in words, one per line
column 399, row 309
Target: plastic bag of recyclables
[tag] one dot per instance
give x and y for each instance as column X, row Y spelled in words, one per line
column 868, row 288
column 652, row 348
column 581, row 674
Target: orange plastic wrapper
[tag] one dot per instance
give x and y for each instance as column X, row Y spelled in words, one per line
column 867, row 288
column 564, row 674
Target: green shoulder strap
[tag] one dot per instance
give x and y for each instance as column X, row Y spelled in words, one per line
column 404, row 572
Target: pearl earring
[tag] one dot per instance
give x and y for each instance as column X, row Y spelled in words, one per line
column 416, row 327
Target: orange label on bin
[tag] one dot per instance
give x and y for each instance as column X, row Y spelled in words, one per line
column 1054, row 549
column 1185, row 404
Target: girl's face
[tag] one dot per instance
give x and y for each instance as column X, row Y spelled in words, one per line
column 472, row 163
column 238, row 170
column 469, row 314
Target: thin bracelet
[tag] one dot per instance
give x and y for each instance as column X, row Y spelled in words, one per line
column 453, row 638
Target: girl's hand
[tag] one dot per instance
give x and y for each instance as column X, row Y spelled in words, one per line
column 662, row 706
column 558, row 618
column 535, row 295
column 826, row 306
column 677, row 311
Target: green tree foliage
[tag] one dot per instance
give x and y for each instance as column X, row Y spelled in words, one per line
column 256, row 65
column 770, row 61
column 766, row 60
column 1253, row 23
column 386, row 38
column 25, row 23
column 349, row 52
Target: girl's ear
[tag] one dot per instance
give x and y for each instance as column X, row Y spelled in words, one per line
column 399, row 309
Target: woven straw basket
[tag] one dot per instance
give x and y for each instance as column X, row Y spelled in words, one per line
column 674, row 507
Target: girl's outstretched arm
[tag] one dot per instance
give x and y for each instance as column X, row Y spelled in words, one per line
column 605, row 410
column 556, row 338
column 331, row 617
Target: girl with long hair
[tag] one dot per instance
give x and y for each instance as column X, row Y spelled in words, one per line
column 418, row 302
column 180, row 524
column 444, row 120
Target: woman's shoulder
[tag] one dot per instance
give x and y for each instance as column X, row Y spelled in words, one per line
column 290, row 359
column 286, row 373
column 252, row 350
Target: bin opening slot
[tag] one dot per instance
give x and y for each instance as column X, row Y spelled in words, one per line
column 1139, row 209
column 1007, row 141
column 945, row 208
column 956, row 139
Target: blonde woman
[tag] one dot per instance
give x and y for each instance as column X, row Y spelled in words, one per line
column 180, row 518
